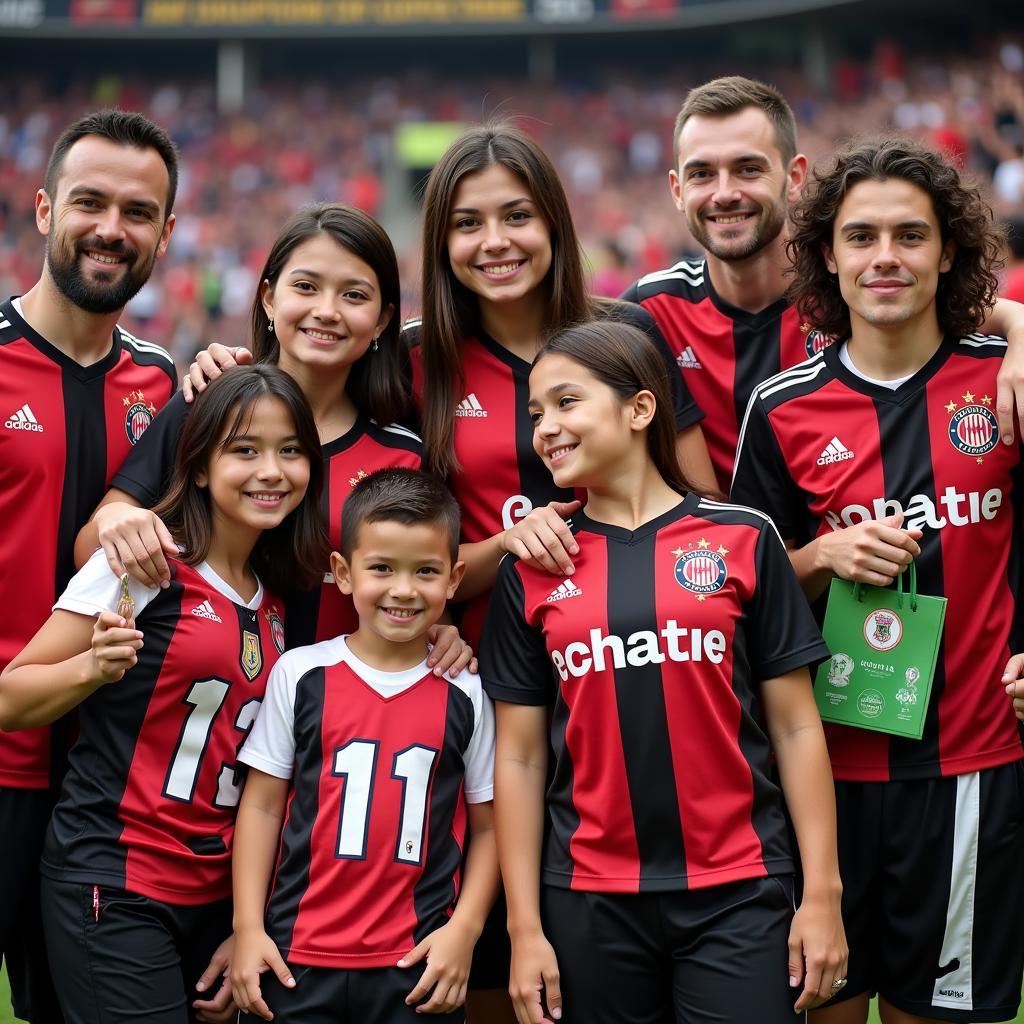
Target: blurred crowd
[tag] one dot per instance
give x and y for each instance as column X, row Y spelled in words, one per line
column 294, row 142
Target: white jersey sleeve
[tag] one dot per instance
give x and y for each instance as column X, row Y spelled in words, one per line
column 478, row 784
column 95, row 589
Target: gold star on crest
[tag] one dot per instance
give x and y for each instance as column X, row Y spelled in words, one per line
column 678, row 553
column 968, row 397
column 980, row 460
column 951, row 407
column 702, row 597
column 722, row 550
column 805, row 327
column 361, row 475
column 986, row 400
column 704, row 543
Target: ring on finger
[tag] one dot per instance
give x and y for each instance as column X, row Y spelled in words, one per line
column 838, row 984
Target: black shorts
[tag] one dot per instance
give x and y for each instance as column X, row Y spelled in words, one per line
column 24, row 814
column 136, row 959
column 492, row 955
column 701, row 956
column 932, row 892
column 331, row 995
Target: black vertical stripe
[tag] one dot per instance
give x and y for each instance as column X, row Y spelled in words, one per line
column 757, row 348
column 86, row 824
column 292, row 879
column 643, row 721
column 434, row 891
column 907, row 469
column 562, row 813
column 1015, row 566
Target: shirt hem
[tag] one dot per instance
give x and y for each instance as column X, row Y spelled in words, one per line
column 209, row 894
column 24, row 780
column 948, row 768
column 674, row 883
column 314, row 958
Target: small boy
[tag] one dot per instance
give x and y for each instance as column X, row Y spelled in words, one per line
column 378, row 761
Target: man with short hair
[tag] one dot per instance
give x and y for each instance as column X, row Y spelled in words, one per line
column 76, row 392
column 737, row 171
column 881, row 449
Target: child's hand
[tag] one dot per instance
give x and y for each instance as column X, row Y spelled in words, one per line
column 534, row 981
column 448, row 952
column 448, row 651
column 1013, row 681
column 818, row 955
column 219, row 1008
column 255, row 953
column 114, row 643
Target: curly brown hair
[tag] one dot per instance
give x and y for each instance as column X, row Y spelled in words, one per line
column 966, row 292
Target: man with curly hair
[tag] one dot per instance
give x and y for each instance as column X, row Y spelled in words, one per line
column 884, row 448
column 737, row 170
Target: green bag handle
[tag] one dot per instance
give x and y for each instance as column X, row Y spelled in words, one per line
column 859, row 594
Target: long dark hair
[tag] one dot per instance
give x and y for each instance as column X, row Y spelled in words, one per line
column 378, row 382
column 450, row 310
column 293, row 554
column 966, row 291
column 625, row 359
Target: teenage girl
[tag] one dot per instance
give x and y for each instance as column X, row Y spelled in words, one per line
column 502, row 271
column 136, row 863
column 663, row 680
column 326, row 313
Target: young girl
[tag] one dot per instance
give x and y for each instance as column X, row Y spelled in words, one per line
column 670, row 670
column 327, row 314
column 136, row 861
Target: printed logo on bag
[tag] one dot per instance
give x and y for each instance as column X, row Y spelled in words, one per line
column 840, row 668
column 973, row 429
column 883, row 629
column 907, row 695
column 870, row 703
column 701, row 570
column 138, row 416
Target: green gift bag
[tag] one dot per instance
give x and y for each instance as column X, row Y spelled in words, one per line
column 884, row 645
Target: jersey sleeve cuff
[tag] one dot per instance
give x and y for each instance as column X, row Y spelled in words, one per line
column 70, row 604
column 479, row 796
column 139, row 492
column 515, row 694
column 803, row 658
column 688, row 417
column 265, row 765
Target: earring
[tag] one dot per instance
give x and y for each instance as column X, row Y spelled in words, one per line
column 376, row 344
column 270, row 326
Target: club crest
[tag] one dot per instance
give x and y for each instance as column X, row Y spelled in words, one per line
column 276, row 629
column 883, row 629
column 973, row 428
column 138, row 415
column 252, row 655
column 814, row 340
column 701, row 570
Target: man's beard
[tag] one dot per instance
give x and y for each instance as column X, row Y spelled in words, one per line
column 764, row 233
column 95, row 296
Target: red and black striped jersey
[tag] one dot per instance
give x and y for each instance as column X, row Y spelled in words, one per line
column 149, row 800
column 381, row 765
column 366, row 447
column 651, row 657
column 722, row 352
column 823, row 449
column 64, row 430
column 501, row 478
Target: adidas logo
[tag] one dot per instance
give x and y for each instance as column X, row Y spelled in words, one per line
column 470, row 406
column 564, row 590
column 205, row 611
column 24, row 419
column 687, row 360
column 835, row 451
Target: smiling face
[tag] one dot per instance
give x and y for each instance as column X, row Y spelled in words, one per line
column 325, row 305
column 888, row 253
column 258, row 478
column 583, row 431
column 732, row 183
column 105, row 224
column 499, row 243
column 400, row 577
